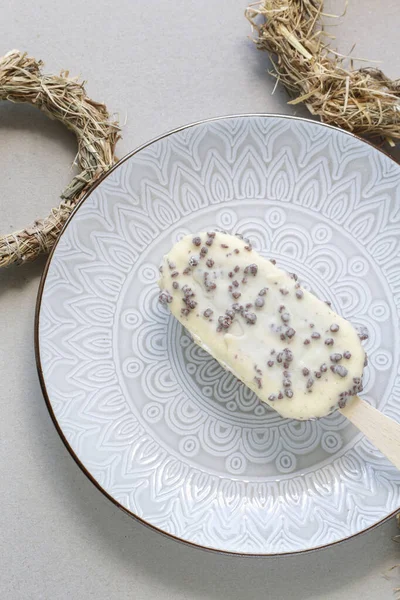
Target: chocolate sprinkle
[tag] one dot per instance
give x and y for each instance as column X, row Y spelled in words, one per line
column 196, row 241
column 305, row 371
column 210, row 263
column 175, row 285
column 258, row 382
column 290, row 332
column 165, row 297
column 289, row 393
column 280, row 396
column 285, row 317
column 210, row 285
column 273, row 261
column 306, row 342
column 236, row 295
column 190, row 303
column 315, row 335
column 203, row 251
column 347, row 354
column 186, row 271
column 329, row 342
column 187, row 291
column 310, row 383
column 299, row 294
column 270, row 363
column 193, row 261
column 284, row 291
column 286, row 382
column 263, row 291
column 252, row 269
column 207, row 313
column 236, row 269
column 259, row 303
column 323, row 368
column 272, row 397
column 225, row 322
column 250, row 317
column 334, row 327
column 336, row 357
column 340, row 370
column 288, row 354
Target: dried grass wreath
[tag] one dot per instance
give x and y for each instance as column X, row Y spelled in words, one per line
column 62, row 98
column 363, row 101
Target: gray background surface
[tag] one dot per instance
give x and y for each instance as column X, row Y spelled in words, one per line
column 158, row 64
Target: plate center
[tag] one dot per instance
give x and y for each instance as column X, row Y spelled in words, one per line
column 204, row 414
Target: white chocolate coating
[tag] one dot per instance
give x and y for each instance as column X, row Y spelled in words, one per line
column 279, row 342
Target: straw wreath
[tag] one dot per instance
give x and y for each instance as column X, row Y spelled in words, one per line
column 62, row 98
column 363, row 101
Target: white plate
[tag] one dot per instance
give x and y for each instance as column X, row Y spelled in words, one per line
column 151, row 418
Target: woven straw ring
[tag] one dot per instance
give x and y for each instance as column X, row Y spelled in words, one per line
column 62, row 98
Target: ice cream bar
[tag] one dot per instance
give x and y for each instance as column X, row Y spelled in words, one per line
column 255, row 319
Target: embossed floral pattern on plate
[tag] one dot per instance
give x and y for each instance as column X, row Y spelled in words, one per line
column 161, row 427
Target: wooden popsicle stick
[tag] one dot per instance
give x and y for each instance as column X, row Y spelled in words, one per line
column 381, row 430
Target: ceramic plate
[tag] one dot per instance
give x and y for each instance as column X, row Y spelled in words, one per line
column 153, row 420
